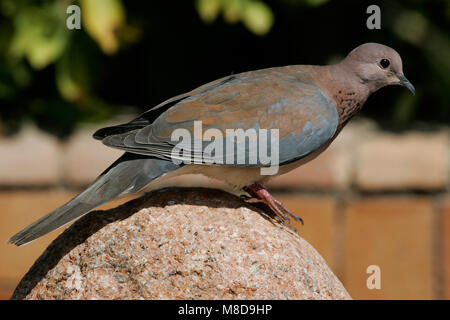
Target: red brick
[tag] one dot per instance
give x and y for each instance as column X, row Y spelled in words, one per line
column 445, row 233
column 29, row 158
column 318, row 213
column 410, row 161
column 6, row 293
column 85, row 158
column 17, row 210
column 394, row 233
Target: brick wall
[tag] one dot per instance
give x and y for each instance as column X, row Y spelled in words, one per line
column 373, row 198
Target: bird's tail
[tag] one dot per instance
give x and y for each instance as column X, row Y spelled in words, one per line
column 127, row 175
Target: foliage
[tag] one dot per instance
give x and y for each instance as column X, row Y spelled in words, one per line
column 255, row 14
column 138, row 53
column 37, row 46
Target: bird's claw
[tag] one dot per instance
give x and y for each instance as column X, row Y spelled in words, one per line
column 260, row 194
column 289, row 212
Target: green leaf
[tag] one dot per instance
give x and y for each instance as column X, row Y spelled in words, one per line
column 40, row 35
column 102, row 20
column 208, row 9
column 67, row 84
column 309, row 3
column 233, row 10
column 411, row 26
column 258, row 17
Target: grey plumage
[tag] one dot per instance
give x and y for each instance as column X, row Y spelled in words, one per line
column 126, row 175
column 309, row 105
column 294, row 100
column 148, row 147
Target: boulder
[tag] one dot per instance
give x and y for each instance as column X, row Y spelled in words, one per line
column 180, row 243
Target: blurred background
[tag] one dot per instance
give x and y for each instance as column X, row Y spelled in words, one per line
column 378, row 196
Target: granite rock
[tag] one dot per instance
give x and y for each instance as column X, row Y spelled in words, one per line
column 180, row 243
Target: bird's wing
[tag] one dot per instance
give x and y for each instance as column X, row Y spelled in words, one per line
column 264, row 99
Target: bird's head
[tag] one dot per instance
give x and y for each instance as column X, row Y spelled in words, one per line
column 377, row 66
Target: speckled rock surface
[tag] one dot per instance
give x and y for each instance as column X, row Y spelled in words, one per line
column 180, row 244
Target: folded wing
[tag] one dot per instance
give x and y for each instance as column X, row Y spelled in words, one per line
column 265, row 99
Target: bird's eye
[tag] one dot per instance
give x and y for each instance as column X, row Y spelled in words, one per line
column 384, row 63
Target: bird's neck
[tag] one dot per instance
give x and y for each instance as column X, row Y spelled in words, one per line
column 345, row 89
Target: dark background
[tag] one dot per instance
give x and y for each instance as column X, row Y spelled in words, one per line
column 366, row 200
column 166, row 48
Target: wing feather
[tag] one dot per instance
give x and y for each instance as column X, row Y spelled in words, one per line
column 265, row 99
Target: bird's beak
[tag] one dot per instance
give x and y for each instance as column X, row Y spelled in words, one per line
column 405, row 82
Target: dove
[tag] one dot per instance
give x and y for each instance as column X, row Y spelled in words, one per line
column 304, row 106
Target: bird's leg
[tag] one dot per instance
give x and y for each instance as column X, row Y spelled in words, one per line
column 259, row 192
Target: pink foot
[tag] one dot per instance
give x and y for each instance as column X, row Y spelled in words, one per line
column 259, row 192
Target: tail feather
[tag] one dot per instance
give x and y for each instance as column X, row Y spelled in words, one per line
column 127, row 175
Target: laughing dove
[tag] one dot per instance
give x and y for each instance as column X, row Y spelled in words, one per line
column 305, row 106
